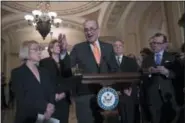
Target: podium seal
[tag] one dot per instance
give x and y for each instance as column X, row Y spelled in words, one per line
column 107, row 98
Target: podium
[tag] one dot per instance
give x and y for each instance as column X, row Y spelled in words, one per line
column 118, row 81
column 106, row 79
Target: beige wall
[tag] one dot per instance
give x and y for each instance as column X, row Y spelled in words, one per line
column 14, row 61
column 149, row 18
column 173, row 13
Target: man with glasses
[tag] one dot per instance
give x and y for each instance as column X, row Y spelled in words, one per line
column 91, row 56
column 158, row 85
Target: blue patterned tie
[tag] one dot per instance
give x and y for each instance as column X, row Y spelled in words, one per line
column 158, row 59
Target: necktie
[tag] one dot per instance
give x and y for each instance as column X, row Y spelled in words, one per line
column 96, row 53
column 118, row 60
column 158, row 59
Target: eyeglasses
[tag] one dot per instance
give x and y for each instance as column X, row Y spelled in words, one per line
column 36, row 49
column 158, row 43
column 90, row 30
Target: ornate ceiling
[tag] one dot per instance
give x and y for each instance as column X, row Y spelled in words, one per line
column 73, row 14
column 5, row 12
column 116, row 14
column 62, row 8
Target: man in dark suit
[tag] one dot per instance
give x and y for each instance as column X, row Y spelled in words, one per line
column 179, row 84
column 128, row 98
column 158, row 85
column 92, row 56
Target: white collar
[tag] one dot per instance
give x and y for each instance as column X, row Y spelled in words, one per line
column 97, row 43
column 161, row 53
column 120, row 56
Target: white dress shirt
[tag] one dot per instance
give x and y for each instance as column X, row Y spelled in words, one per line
column 120, row 58
column 62, row 55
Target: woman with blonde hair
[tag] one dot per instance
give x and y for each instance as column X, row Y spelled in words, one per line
column 59, row 69
column 31, row 84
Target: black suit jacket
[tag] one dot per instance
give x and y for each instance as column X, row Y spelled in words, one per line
column 60, row 76
column 83, row 56
column 179, row 67
column 32, row 97
column 128, row 65
column 156, row 82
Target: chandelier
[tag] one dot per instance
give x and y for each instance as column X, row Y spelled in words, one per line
column 42, row 19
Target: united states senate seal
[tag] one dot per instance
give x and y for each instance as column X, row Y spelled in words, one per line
column 107, row 98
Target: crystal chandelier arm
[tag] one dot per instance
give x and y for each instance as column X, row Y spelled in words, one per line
column 52, row 15
column 36, row 12
column 57, row 22
column 29, row 17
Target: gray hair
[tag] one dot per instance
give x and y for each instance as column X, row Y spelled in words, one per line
column 24, row 49
column 118, row 40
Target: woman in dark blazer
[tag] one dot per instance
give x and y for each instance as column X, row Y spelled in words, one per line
column 33, row 92
column 59, row 69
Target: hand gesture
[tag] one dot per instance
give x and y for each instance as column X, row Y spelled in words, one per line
column 128, row 91
column 56, row 97
column 63, row 42
column 163, row 70
column 60, row 96
column 49, row 110
column 153, row 70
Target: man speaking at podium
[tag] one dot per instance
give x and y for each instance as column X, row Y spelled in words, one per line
column 92, row 56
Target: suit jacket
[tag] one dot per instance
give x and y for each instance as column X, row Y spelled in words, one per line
column 179, row 67
column 156, row 82
column 83, row 56
column 128, row 65
column 59, row 75
column 32, row 97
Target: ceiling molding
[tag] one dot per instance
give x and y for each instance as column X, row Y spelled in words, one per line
column 5, row 13
column 106, row 15
column 103, row 12
column 20, row 8
column 116, row 13
column 9, row 9
column 100, row 6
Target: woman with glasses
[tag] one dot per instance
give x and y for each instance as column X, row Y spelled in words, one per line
column 59, row 70
column 31, row 84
